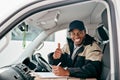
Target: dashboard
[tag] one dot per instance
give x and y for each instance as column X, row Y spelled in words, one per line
column 21, row 71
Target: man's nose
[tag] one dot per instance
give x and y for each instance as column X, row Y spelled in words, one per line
column 76, row 36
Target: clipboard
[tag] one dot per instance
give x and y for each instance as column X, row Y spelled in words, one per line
column 48, row 75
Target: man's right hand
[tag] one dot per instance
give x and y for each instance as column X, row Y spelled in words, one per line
column 58, row 52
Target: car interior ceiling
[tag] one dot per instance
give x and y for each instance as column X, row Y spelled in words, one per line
column 93, row 10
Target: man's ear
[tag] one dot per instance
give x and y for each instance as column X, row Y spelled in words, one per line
column 84, row 33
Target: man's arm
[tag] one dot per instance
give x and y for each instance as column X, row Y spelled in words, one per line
column 64, row 59
column 91, row 69
column 60, row 55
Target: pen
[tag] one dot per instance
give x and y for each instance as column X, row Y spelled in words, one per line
column 59, row 64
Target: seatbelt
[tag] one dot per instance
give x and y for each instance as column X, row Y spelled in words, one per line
column 104, row 48
column 71, row 45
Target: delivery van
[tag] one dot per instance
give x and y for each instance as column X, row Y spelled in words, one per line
column 30, row 30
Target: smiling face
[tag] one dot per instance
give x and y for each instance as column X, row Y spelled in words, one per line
column 77, row 36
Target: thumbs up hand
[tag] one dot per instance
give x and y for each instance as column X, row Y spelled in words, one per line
column 58, row 52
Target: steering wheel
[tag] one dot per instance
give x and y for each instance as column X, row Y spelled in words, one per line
column 42, row 63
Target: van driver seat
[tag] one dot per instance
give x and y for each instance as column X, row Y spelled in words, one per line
column 103, row 39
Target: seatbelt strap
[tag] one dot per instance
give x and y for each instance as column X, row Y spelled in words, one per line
column 71, row 45
column 104, row 48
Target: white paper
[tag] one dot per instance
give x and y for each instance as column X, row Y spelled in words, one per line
column 48, row 75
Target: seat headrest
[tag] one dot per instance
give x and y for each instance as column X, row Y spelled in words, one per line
column 102, row 34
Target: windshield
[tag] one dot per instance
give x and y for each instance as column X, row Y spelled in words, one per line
column 16, row 42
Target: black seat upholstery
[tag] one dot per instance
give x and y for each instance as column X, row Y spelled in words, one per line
column 106, row 64
column 102, row 36
column 103, row 39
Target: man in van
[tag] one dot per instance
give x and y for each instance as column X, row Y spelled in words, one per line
column 80, row 57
